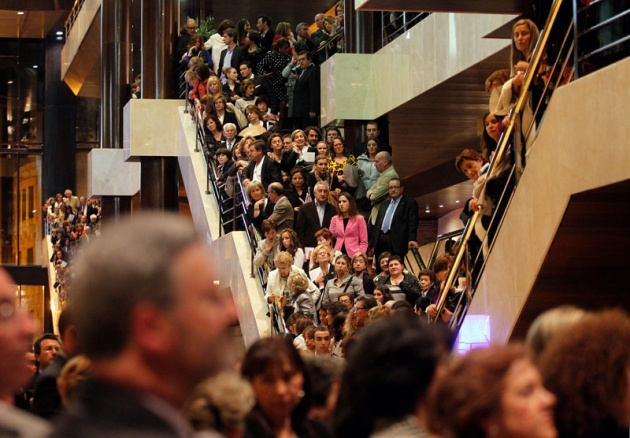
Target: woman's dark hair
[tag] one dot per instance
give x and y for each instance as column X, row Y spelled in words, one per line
column 225, row 25
column 203, row 71
column 429, row 273
column 352, row 208
column 586, row 367
column 471, row 389
column 212, row 116
column 467, row 154
column 388, row 372
column 295, row 241
column 272, row 352
column 396, row 258
column 241, row 28
column 338, row 322
column 343, row 142
column 300, row 171
column 224, row 151
column 282, row 42
column 254, row 36
column 387, row 295
column 487, row 143
column 253, row 109
column 270, row 139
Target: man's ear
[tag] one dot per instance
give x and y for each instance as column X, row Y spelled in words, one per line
column 151, row 328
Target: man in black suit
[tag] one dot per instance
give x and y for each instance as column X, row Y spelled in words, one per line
column 261, row 168
column 234, row 54
column 319, row 35
column 263, row 86
column 371, row 133
column 306, row 92
column 396, row 225
column 46, row 400
column 314, row 215
column 154, row 328
column 266, row 32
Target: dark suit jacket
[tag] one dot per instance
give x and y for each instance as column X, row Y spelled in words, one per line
column 270, row 172
column 404, row 225
column 104, row 410
column 46, row 400
column 308, row 222
column 267, row 40
column 237, row 57
column 306, row 92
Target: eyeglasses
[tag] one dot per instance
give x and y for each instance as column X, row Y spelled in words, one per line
column 356, row 309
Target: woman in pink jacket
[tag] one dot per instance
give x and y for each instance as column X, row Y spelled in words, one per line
column 348, row 227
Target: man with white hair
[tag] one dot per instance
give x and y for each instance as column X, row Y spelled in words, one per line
column 154, row 320
column 72, row 201
column 229, row 131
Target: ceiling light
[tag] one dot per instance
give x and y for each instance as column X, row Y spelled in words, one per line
column 59, row 32
column 427, row 211
column 457, row 201
column 9, row 82
column 441, row 206
column 34, row 66
column 20, row 13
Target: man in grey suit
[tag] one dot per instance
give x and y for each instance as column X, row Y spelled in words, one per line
column 282, row 214
column 153, row 320
column 380, row 191
column 16, row 330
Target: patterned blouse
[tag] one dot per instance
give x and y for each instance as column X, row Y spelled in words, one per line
column 335, row 169
column 274, row 62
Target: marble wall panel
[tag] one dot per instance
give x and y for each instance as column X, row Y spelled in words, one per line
column 110, row 175
column 150, row 129
column 441, row 46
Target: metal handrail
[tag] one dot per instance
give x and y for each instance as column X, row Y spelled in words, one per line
column 499, row 157
column 389, row 32
column 417, row 258
column 72, row 16
column 440, row 239
column 238, row 200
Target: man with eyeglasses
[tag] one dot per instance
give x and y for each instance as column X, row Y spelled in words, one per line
column 360, row 315
column 16, row 330
column 396, row 225
column 380, row 191
column 184, row 37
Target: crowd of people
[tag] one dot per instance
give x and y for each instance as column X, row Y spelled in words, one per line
column 70, row 221
column 144, row 345
column 146, row 349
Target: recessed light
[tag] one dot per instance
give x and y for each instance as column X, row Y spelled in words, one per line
column 457, row 201
column 20, row 13
column 9, row 82
column 441, row 206
column 59, row 32
column 34, row 66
